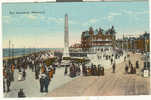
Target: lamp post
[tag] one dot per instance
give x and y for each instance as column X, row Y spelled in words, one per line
column 12, row 53
column 24, row 51
column 145, row 50
column 9, row 52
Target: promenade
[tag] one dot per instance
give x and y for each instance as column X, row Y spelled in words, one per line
column 32, row 87
column 112, row 84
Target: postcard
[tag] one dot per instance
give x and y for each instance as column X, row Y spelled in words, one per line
column 75, row 49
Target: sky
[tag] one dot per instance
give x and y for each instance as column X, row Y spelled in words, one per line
column 45, row 28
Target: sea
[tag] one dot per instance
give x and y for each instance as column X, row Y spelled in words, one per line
column 24, row 51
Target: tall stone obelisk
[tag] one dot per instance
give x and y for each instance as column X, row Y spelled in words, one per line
column 66, row 38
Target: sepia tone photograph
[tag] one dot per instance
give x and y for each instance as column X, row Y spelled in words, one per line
column 75, row 49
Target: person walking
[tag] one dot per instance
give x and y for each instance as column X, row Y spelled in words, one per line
column 113, row 67
column 125, row 58
column 102, row 69
column 4, row 80
column 99, row 71
column 24, row 74
column 111, row 60
column 12, row 71
column 126, row 69
column 32, row 67
column 46, row 83
column 8, row 79
column 42, row 82
column 8, row 83
column 4, row 84
column 131, row 69
column 66, row 71
column 37, row 71
column 137, row 64
column 20, row 75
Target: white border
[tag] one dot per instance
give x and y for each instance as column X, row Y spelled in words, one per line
column 28, row 0
column 148, row 97
column 1, row 78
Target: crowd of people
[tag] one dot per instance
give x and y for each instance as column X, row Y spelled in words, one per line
column 92, row 70
column 73, row 70
column 86, row 69
column 129, row 67
column 82, row 69
column 44, row 72
column 35, row 62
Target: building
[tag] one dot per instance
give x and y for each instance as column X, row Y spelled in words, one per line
column 98, row 40
column 140, row 43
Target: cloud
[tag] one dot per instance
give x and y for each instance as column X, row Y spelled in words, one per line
column 111, row 16
column 93, row 20
column 90, row 21
column 42, row 17
column 136, row 15
column 73, row 22
column 115, row 14
column 20, row 18
column 85, row 24
column 135, row 12
column 56, row 20
column 61, row 20
column 128, row 12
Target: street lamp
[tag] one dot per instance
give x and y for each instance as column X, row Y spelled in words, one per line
column 145, row 50
column 9, row 52
column 13, row 53
column 24, row 52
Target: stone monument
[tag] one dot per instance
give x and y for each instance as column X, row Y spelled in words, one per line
column 66, row 38
column 66, row 43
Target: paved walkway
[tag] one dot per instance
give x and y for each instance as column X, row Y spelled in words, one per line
column 105, row 63
column 117, row 83
column 32, row 87
column 110, row 84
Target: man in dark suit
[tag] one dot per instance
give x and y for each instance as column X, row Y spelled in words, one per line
column 46, row 83
column 42, row 83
